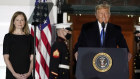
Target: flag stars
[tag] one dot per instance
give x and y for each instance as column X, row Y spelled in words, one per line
column 45, row 14
column 45, row 21
column 38, row 14
column 37, row 20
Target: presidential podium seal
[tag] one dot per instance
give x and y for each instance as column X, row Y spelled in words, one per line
column 102, row 62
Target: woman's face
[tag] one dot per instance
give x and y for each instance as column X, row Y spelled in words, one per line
column 19, row 22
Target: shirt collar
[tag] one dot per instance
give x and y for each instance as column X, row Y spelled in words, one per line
column 100, row 26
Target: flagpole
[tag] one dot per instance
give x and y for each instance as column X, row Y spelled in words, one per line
column 35, row 24
column 34, row 52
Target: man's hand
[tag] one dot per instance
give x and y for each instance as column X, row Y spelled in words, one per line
column 137, row 34
column 129, row 56
column 76, row 55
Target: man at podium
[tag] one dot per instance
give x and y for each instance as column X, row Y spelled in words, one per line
column 101, row 36
column 101, row 33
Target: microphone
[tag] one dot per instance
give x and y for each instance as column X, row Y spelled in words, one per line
column 103, row 25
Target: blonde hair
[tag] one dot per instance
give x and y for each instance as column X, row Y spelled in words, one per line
column 12, row 26
column 102, row 6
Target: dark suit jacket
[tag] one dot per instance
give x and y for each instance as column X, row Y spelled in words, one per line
column 90, row 36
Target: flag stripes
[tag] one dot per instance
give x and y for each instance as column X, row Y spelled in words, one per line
column 43, row 49
column 43, row 45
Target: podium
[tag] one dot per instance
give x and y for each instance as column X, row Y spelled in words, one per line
column 102, row 63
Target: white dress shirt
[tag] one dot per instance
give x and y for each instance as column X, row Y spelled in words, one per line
column 100, row 27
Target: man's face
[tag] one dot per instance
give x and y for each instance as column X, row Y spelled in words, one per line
column 103, row 15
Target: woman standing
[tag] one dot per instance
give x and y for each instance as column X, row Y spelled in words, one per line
column 18, row 48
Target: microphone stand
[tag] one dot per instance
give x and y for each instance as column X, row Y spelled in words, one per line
column 35, row 24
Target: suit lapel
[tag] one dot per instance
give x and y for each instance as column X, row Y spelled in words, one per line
column 107, row 34
column 98, row 34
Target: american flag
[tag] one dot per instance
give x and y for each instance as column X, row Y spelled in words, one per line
column 43, row 41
